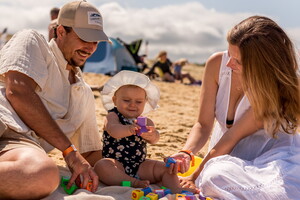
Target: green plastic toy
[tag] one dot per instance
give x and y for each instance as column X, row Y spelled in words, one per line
column 126, row 183
column 64, row 182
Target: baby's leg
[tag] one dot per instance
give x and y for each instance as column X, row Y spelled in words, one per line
column 156, row 171
column 112, row 172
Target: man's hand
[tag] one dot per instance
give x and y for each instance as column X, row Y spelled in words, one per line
column 81, row 171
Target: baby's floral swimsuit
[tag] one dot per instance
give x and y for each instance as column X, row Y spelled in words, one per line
column 131, row 151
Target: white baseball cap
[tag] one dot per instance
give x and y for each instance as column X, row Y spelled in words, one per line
column 85, row 20
column 126, row 77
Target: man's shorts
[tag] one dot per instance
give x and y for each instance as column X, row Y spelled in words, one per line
column 10, row 139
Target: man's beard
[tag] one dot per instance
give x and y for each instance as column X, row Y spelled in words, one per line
column 73, row 63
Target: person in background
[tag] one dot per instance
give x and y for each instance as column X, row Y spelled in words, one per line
column 142, row 64
column 164, row 67
column 53, row 22
column 181, row 76
column 250, row 95
column 45, row 103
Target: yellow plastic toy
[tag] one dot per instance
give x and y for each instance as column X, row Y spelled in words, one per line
column 136, row 194
column 180, row 196
column 198, row 161
column 152, row 196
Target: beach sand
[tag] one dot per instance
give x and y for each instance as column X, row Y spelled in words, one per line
column 178, row 111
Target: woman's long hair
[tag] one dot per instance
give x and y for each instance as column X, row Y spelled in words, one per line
column 269, row 72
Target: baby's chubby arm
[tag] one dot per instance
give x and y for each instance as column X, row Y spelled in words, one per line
column 117, row 130
column 152, row 136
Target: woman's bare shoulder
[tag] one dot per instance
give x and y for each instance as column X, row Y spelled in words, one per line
column 215, row 58
column 213, row 65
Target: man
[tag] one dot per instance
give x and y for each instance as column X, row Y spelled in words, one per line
column 45, row 103
column 54, row 13
column 53, row 23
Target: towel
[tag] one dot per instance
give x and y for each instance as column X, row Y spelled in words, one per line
column 103, row 192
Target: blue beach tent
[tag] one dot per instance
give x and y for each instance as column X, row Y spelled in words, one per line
column 109, row 59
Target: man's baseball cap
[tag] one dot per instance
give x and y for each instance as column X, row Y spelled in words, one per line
column 85, row 20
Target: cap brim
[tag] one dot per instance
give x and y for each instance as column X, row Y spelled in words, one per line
column 91, row 35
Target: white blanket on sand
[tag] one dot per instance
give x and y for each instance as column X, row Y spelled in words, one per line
column 103, row 192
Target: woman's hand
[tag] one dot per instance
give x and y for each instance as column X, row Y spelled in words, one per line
column 182, row 164
column 187, row 182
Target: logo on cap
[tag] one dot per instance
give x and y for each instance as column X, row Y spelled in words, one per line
column 94, row 18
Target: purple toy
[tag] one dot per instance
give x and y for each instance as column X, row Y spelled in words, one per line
column 202, row 197
column 160, row 193
column 142, row 122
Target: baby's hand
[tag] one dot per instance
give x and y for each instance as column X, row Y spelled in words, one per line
column 133, row 128
column 151, row 129
column 152, row 135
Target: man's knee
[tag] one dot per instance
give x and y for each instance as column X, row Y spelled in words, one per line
column 44, row 173
column 46, row 182
column 42, row 167
column 33, row 171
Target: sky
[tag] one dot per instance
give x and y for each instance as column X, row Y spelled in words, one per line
column 192, row 29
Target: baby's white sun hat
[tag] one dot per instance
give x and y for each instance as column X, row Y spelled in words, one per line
column 126, row 77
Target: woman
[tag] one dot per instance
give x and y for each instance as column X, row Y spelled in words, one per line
column 252, row 91
column 163, row 64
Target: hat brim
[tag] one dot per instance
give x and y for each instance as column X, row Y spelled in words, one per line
column 91, row 35
column 126, row 77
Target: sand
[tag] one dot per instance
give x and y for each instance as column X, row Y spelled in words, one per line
column 178, row 111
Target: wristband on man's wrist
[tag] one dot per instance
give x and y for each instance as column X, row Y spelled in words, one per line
column 190, row 153
column 69, row 150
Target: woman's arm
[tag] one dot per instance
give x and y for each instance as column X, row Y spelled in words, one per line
column 245, row 126
column 201, row 130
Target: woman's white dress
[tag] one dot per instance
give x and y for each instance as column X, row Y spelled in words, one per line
column 259, row 167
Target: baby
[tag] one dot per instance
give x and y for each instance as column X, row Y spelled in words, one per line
column 127, row 96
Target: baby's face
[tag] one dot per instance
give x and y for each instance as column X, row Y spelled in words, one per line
column 130, row 101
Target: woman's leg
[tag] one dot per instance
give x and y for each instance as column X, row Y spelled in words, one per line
column 112, row 172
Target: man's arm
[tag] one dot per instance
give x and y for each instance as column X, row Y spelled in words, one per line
column 20, row 92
